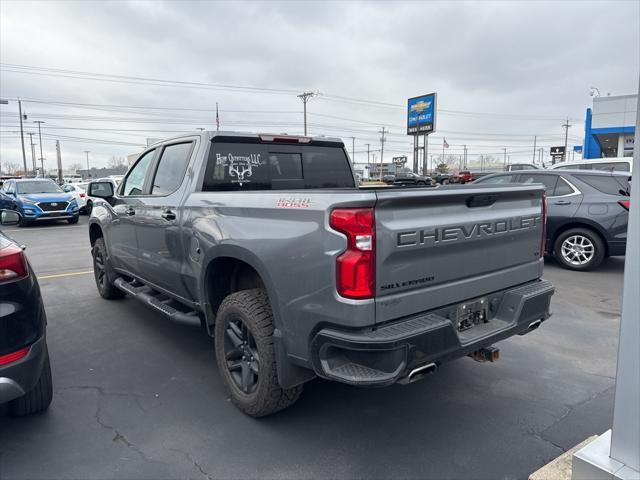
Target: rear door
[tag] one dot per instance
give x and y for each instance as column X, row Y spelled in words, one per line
column 160, row 252
column 446, row 245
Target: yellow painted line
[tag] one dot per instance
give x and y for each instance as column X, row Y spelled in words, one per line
column 59, row 275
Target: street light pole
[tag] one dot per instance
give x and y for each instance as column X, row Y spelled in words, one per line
column 33, row 152
column 40, row 122
column 87, row 152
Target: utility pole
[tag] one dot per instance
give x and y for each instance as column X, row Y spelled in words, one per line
column 24, row 156
column 59, row 161
column 353, row 150
column 535, row 138
column 368, row 146
column 465, row 156
column 305, row 96
column 87, row 152
column 566, row 135
column 382, row 140
column 505, row 156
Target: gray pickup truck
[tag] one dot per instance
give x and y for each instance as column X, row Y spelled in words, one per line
column 297, row 273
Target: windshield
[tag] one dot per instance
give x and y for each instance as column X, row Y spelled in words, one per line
column 37, row 186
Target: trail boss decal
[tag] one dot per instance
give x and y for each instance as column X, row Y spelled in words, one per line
column 293, row 202
column 240, row 166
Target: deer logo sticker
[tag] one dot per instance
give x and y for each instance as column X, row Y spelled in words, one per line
column 240, row 166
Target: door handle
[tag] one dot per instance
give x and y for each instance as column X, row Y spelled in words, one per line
column 130, row 211
column 168, row 215
column 562, row 202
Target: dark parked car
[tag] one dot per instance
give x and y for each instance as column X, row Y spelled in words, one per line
column 442, row 177
column 410, row 178
column 25, row 375
column 587, row 213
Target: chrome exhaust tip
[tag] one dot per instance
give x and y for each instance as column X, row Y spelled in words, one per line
column 534, row 325
column 421, row 371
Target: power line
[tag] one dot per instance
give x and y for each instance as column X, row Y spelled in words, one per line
column 47, row 71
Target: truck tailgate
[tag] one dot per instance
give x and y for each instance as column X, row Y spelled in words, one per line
column 440, row 246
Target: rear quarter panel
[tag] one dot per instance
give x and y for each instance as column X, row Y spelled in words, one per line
column 286, row 238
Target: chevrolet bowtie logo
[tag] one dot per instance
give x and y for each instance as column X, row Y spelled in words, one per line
column 420, row 106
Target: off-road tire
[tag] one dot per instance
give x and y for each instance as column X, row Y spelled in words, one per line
column 38, row 398
column 253, row 309
column 591, row 237
column 104, row 283
column 88, row 207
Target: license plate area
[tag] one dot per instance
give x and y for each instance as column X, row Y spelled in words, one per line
column 472, row 313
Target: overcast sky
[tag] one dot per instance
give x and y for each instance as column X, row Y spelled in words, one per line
column 504, row 71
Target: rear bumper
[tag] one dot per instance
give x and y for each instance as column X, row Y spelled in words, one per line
column 20, row 377
column 385, row 355
column 616, row 248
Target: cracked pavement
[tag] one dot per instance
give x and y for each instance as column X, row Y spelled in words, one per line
column 138, row 396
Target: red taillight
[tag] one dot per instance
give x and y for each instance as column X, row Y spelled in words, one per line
column 625, row 203
column 82, row 195
column 13, row 356
column 355, row 268
column 544, row 225
column 284, row 139
column 13, row 265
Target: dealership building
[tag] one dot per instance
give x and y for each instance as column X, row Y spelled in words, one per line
column 610, row 127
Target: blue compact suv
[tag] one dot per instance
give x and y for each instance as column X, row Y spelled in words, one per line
column 38, row 199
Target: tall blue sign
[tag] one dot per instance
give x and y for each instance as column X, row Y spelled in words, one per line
column 421, row 115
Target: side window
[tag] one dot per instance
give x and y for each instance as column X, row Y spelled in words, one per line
column 562, row 188
column 498, row 179
column 567, row 167
column 549, row 181
column 172, row 168
column 135, row 181
column 10, row 187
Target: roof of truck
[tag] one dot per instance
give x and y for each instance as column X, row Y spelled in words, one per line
column 225, row 133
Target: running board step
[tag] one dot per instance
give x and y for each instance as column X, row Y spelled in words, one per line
column 146, row 295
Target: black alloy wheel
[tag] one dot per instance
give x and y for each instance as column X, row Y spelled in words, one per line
column 241, row 354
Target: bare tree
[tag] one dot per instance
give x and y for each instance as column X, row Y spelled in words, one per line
column 116, row 162
column 10, row 167
column 74, row 167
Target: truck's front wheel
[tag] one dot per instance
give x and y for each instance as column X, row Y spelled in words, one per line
column 103, row 272
column 246, row 356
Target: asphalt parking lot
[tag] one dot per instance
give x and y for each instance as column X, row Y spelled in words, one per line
column 137, row 396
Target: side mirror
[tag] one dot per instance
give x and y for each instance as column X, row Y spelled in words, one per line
column 101, row 189
column 9, row 217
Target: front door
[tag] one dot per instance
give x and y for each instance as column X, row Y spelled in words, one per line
column 161, row 254
column 123, row 240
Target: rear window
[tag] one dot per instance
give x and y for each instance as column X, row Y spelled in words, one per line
column 240, row 166
column 613, row 166
column 611, row 185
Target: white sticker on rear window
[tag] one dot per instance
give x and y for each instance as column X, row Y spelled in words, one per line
column 240, row 166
